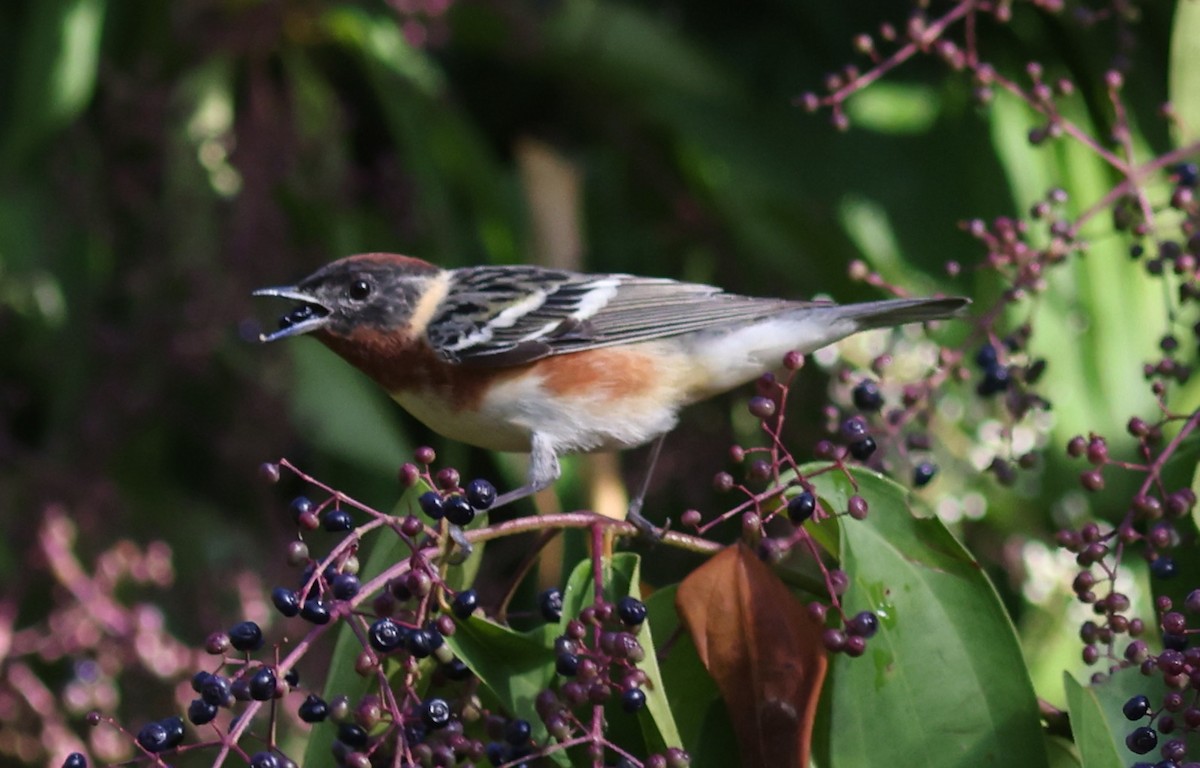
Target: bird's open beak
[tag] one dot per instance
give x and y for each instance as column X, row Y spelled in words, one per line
column 308, row 316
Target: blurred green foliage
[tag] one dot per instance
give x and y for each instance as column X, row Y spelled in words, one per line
column 160, row 160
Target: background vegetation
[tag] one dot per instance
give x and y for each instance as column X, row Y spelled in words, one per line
column 158, row 161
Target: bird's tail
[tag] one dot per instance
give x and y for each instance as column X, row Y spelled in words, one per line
column 890, row 312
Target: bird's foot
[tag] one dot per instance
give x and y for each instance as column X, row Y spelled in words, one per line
column 646, row 529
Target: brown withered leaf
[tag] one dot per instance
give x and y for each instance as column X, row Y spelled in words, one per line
column 762, row 649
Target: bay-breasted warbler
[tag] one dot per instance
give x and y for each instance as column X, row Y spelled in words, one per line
column 552, row 362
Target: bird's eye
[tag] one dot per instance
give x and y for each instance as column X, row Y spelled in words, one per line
column 360, row 289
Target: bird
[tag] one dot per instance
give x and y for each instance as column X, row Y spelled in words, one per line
column 554, row 362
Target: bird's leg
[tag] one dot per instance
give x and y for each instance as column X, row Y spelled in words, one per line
column 543, row 471
column 634, row 515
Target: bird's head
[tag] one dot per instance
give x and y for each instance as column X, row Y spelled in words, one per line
column 366, row 292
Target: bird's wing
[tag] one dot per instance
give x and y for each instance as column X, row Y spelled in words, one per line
column 514, row 315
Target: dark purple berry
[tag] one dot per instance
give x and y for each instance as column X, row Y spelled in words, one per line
column 216, row 691
column 1142, row 740
column 458, row 510
column 352, row 735
column 315, row 611
column 161, row 735
column 75, row 760
column 518, row 732
column 314, row 709
column 1136, row 708
column 995, row 381
column 431, row 504
column 834, row 640
column 1163, row 567
column 923, row 473
column 1175, row 642
column 855, row 646
column 386, row 635
column 761, row 407
column 465, row 603
column 481, row 494
column 301, row 505
column 264, row 760
column 867, row 396
column 857, row 507
column 566, row 664
column 423, row 642
column 1174, row 622
column 1185, row 174
column 345, row 586
column 801, row 507
column 199, row 679
column 986, row 357
column 633, row 699
column 862, row 449
column 286, row 601
column 496, row 753
column 337, row 520
column 292, row 677
column 854, row 429
column 864, row 624
column 246, row 636
column 456, row 669
column 200, row 712
column 631, row 611
column 263, row 684
column 435, row 713
column 550, row 603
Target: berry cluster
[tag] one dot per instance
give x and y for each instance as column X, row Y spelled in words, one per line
column 1177, row 714
column 425, row 708
column 592, row 673
column 851, row 638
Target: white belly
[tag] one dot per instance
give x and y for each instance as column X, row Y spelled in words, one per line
column 606, row 415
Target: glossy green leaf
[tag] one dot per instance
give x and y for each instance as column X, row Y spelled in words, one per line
column 943, row 683
column 1093, row 736
column 1100, row 726
column 516, row 666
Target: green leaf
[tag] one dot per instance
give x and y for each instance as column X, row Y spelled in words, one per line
column 1183, row 84
column 622, row 576
column 1091, row 730
column 1099, row 725
column 516, row 666
column 513, row 667
column 705, row 730
column 943, row 683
